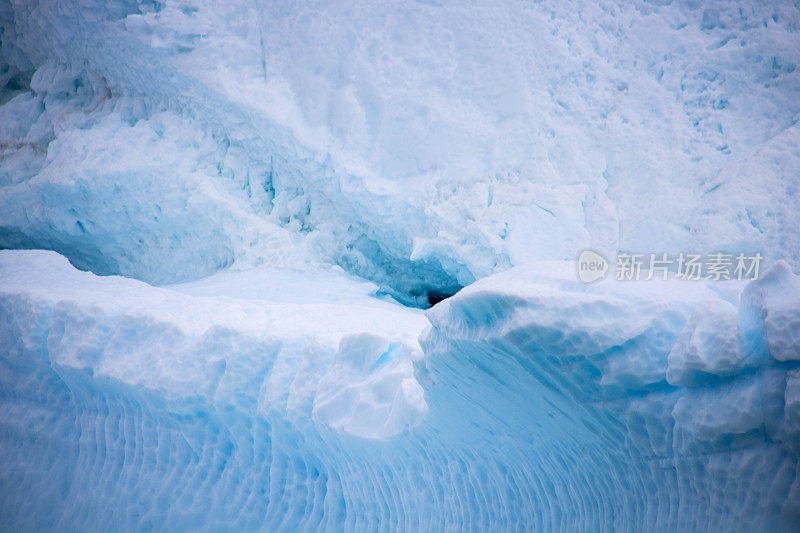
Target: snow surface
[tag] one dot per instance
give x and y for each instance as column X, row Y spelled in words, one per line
column 237, row 197
column 421, row 146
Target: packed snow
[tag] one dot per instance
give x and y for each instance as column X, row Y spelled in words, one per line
column 220, row 223
column 420, row 146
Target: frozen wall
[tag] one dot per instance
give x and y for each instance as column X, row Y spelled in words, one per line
column 533, row 402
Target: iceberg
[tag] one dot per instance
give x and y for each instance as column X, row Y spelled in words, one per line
column 311, row 266
column 528, row 400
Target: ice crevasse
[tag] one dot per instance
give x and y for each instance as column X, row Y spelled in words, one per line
column 529, row 401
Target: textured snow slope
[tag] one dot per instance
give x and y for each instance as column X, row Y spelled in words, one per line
column 421, row 146
column 539, row 403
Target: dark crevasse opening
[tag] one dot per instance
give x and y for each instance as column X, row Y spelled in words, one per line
column 436, row 296
column 420, row 284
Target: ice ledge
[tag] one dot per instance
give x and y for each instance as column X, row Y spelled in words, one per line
column 639, row 336
column 705, row 387
column 322, row 351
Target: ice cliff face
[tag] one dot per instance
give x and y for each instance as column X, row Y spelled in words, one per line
column 538, row 403
column 231, row 191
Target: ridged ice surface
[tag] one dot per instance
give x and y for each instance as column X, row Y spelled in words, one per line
column 538, row 403
column 236, row 195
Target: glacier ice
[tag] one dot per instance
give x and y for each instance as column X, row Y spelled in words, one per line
column 533, row 401
column 219, row 220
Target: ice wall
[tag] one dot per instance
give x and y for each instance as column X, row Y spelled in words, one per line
column 539, row 403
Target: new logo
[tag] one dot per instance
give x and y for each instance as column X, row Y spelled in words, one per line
column 591, row 266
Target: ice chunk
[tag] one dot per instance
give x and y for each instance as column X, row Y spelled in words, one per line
column 733, row 414
column 707, row 347
column 369, row 390
column 775, row 299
